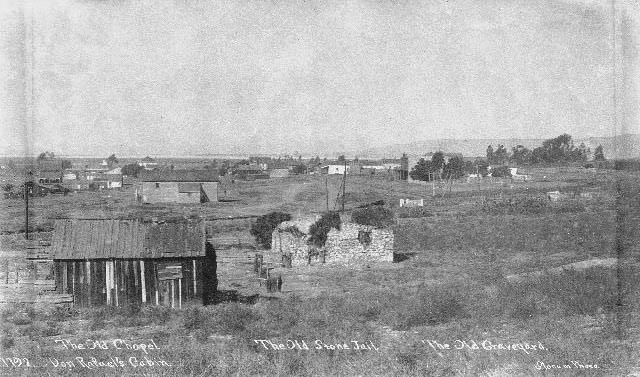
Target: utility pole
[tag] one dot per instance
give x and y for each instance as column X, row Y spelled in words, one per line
column 326, row 189
column 27, row 189
column 432, row 176
column 344, row 183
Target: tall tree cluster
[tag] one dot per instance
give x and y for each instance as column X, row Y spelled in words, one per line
column 438, row 168
column 557, row 150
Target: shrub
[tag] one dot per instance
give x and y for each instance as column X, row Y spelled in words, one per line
column 320, row 229
column 7, row 341
column 376, row 216
column 568, row 206
column 516, row 205
column 265, row 225
column 294, row 231
column 501, row 171
column 413, row 212
column 61, row 313
column 433, row 306
column 193, row 319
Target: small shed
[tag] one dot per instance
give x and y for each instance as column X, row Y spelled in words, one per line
column 178, row 186
column 123, row 262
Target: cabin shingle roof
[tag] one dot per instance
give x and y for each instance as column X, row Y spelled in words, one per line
column 81, row 239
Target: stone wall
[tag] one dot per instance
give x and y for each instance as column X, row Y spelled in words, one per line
column 285, row 243
column 349, row 245
column 352, row 244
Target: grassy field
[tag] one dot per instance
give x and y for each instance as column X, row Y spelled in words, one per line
column 446, row 308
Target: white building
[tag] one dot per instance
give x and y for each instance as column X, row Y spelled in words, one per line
column 335, row 169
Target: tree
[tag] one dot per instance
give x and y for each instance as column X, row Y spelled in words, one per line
column 481, row 167
column 8, row 187
column 299, row 169
column 132, row 170
column 558, row 149
column 469, row 167
column 520, row 155
column 598, row 154
column 438, row 160
column 264, row 226
column 454, row 168
column 112, row 160
column 500, row 155
column 319, row 230
column 341, row 158
column 501, row 171
column 422, row 170
column 538, row 155
column 490, row 154
column 375, row 216
column 66, row 164
column 46, row 156
column 580, row 153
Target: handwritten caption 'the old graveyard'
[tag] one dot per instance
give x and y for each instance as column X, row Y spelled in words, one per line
column 484, row 345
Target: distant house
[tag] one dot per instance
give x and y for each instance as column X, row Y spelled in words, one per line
column 250, row 172
column 178, row 186
column 331, row 169
column 49, row 176
column 49, row 171
column 148, row 163
column 279, row 173
column 227, row 189
column 113, row 178
column 515, row 176
column 69, row 176
column 132, row 262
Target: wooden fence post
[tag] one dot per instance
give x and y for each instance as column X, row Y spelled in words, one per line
column 142, row 282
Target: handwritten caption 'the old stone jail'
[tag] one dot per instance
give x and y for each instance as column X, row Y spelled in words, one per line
column 317, row 344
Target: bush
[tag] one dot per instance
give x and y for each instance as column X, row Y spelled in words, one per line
column 265, row 225
column 320, row 229
column 413, row 212
column 501, row 171
column 193, row 319
column 570, row 293
column 376, row 216
column 433, row 306
column 516, row 205
column 568, row 206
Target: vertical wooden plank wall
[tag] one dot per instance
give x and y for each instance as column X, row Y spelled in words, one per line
column 120, row 282
column 143, row 286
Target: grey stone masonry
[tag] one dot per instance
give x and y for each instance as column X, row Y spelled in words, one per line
column 352, row 244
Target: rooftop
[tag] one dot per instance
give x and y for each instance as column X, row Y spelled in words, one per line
column 96, row 238
column 179, row 176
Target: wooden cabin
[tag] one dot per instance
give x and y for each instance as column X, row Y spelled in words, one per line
column 124, row 262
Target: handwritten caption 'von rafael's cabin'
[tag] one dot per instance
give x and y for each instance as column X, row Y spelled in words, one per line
column 136, row 355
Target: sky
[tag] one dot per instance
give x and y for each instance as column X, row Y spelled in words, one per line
column 177, row 77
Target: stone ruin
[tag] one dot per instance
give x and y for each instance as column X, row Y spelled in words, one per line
column 353, row 244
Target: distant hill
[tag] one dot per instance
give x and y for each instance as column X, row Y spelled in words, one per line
column 621, row 146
